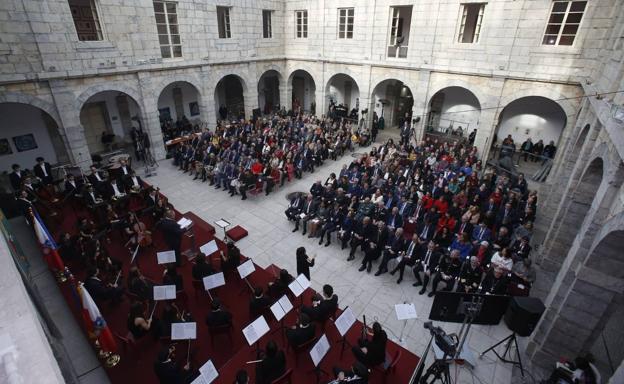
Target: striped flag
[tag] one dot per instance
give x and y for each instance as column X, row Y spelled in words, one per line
column 95, row 323
column 47, row 243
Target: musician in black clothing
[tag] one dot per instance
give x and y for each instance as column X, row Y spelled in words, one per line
column 272, row 366
column 218, row 317
column 278, row 287
column 167, row 370
column 304, row 262
column 16, row 177
column 202, row 267
column 100, row 290
column 301, row 332
column 376, row 244
column 43, row 170
column 470, row 276
column 448, row 271
column 427, row 264
column 231, row 258
column 172, row 233
column 322, row 307
column 372, row 352
column 258, row 302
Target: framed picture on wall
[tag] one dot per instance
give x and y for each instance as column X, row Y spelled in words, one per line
column 164, row 114
column 25, row 142
column 194, row 108
column 5, row 147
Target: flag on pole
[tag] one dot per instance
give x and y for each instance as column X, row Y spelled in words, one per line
column 47, row 243
column 95, row 323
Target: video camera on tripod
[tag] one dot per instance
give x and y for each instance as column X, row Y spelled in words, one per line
column 445, row 342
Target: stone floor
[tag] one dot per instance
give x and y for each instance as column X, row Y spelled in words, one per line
column 271, row 241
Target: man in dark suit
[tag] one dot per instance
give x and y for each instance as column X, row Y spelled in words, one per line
column 405, row 207
column 96, row 179
column 481, row 233
column 99, row 290
column 133, row 183
column 409, row 258
column 506, row 216
column 172, row 233
column 322, row 307
column 16, row 177
column 362, row 232
column 394, row 249
column 448, row 271
column 167, row 370
column 73, row 187
column 425, row 231
column 376, row 245
column 43, row 170
column 218, row 317
column 294, row 209
column 394, row 220
column 426, row 263
column 521, row 249
column 91, row 198
column 463, row 226
column 309, row 210
column 302, row 332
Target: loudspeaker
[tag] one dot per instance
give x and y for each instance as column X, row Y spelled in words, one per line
column 523, row 314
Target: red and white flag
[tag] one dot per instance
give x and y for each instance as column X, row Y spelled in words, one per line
column 95, row 323
column 48, row 245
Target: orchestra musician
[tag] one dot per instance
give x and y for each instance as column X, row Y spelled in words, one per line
column 372, row 352
column 16, row 177
column 301, row 332
column 172, row 233
column 100, row 290
column 133, row 183
column 139, row 285
column 168, row 370
column 322, row 306
column 72, row 186
column 272, row 366
column 43, row 171
column 97, row 179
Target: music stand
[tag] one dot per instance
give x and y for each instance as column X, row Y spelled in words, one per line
column 405, row 312
column 254, row 331
column 223, row 224
column 207, row 373
column 213, row 281
column 189, row 227
column 343, row 323
column 244, row 270
column 317, row 353
column 280, row 309
column 184, row 331
column 299, row 285
column 209, row 249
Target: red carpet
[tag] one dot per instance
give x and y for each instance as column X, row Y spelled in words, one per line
column 136, row 365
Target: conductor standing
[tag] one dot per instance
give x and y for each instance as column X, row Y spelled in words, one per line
column 304, row 262
column 172, row 233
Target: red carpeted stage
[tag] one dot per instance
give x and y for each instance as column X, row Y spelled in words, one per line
column 136, row 365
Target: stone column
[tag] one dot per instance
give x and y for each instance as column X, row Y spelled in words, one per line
column 207, row 106
column 285, row 94
column 420, row 108
column 251, row 101
column 149, row 115
column 69, row 114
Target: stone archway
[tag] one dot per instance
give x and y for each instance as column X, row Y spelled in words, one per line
column 30, row 132
column 111, row 113
column 229, row 97
column 269, row 90
column 178, row 100
column 393, row 100
column 451, row 108
column 303, row 92
column 343, row 92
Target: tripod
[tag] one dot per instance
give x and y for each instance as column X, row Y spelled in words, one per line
column 506, row 356
column 439, row 370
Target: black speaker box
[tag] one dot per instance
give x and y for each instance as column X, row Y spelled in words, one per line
column 523, row 314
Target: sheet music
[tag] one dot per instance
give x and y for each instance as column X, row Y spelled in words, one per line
column 254, row 331
column 285, row 304
column 303, row 281
column 319, row 350
column 296, row 288
column 164, row 292
column 345, row 321
column 222, row 223
column 166, row 257
column 246, row 268
column 209, row 248
column 405, row 311
column 183, row 331
column 278, row 312
column 184, row 222
column 208, row 372
column 213, row 281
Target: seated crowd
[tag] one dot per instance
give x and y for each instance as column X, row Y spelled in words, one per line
column 431, row 207
column 244, row 156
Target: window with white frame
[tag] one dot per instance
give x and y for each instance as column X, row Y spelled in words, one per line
column 470, row 22
column 301, row 24
column 563, row 24
column 267, row 29
column 400, row 23
column 168, row 31
column 223, row 21
column 345, row 23
column 86, row 20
